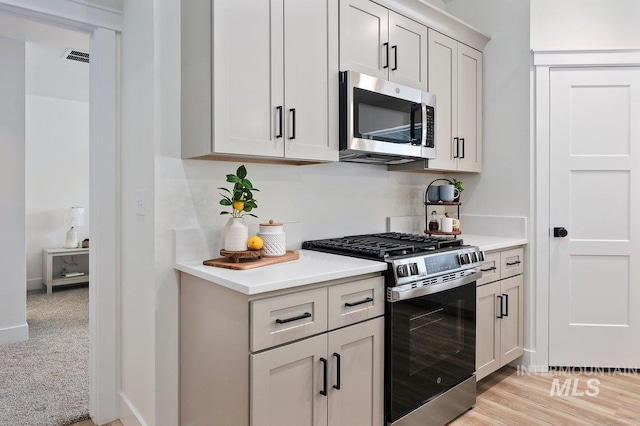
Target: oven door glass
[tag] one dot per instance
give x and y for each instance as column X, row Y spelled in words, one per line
column 430, row 347
column 385, row 118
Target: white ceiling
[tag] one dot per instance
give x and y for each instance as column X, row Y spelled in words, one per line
column 47, row 74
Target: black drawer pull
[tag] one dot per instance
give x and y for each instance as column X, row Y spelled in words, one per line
column 501, row 315
column 337, row 385
column 299, row 317
column 517, row 262
column 493, row 268
column 367, row 300
column 506, row 302
column 324, row 377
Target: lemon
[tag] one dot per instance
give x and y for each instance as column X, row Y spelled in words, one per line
column 255, row 243
column 238, row 205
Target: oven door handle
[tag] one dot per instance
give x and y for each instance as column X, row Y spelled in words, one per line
column 396, row 294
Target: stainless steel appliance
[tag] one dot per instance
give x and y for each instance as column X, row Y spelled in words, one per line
column 429, row 322
column 383, row 122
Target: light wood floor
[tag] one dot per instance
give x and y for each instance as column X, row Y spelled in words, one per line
column 512, row 399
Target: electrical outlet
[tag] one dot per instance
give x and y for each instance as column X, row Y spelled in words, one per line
column 140, row 210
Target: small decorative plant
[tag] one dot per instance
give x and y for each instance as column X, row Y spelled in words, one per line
column 458, row 185
column 240, row 199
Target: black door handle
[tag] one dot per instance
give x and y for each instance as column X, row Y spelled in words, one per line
column 462, row 140
column 337, row 385
column 324, row 387
column 493, row 268
column 457, row 140
column 395, row 56
column 506, row 303
column 386, row 45
column 500, row 315
column 293, row 119
column 299, row 317
column 367, row 300
column 560, row 232
column 280, row 118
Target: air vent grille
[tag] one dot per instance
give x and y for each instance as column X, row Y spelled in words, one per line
column 76, row 55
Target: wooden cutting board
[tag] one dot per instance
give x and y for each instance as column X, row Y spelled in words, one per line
column 224, row 262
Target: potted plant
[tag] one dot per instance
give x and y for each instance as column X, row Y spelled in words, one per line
column 241, row 201
column 457, row 184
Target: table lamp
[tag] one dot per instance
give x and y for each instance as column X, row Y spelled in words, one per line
column 75, row 218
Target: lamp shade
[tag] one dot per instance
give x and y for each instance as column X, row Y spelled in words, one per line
column 75, row 217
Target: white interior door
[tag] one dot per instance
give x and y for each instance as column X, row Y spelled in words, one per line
column 594, row 292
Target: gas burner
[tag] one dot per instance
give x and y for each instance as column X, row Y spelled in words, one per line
column 381, row 246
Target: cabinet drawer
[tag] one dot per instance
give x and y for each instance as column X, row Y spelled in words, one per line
column 490, row 268
column 354, row 302
column 282, row 319
column 512, row 262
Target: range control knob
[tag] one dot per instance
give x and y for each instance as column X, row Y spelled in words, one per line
column 464, row 259
column 413, row 269
column 401, row 271
column 481, row 256
column 474, row 257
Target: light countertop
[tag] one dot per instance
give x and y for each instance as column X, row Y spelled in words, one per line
column 312, row 267
column 490, row 243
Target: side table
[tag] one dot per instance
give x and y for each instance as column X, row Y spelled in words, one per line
column 73, row 275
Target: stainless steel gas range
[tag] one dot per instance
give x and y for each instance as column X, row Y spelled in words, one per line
column 430, row 322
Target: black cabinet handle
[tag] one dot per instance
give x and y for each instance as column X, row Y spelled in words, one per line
column 493, row 268
column 517, row 262
column 280, row 121
column 386, row 45
column 395, row 56
column 337, row 385
column 506, row 308
column 367, row 300
column 560, row 232
column 324, row 387
column 457, row 140
column 299, row 317
column 462, row 140
column 293, row 119
column 500, row 316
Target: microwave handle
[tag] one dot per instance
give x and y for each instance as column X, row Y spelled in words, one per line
column 423, row 140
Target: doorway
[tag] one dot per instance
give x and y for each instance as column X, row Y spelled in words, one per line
column 587, row 140
column 102, row 23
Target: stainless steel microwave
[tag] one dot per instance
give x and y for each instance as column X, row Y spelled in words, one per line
column 383, row 122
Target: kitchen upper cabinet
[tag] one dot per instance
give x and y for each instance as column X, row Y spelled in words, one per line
column 455, row 77
column 260, row 79
column 382, row 43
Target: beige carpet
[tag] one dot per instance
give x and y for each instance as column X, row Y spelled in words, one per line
column 45, row 380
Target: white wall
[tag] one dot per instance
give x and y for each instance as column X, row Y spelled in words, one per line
column 137, row 239
column 13, row 315
column 584, row 24
column 57, row 175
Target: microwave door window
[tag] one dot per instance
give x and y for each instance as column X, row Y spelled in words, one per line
column 384, row 118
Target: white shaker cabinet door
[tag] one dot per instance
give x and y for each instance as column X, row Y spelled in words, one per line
column 356, row 393
column 407, row 52
column 247, row 77
column 443, row 65
column 286, row 384
column 364, row 37
column 469, row 109
column 311, row 79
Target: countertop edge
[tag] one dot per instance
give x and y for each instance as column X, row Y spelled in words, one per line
column 491, row 243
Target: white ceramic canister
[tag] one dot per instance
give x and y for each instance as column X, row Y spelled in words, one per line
column 273, row 236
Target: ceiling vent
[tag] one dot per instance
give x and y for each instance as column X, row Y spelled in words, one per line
column 76, row 55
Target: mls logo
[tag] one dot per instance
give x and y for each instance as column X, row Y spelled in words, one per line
column 570, row 387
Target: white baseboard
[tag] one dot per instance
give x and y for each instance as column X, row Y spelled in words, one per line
column 19, row 333
column 128, row 414
column 35, row 284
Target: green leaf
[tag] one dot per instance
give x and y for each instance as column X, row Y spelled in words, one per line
column 225, row 202
column 248, row 195
column 251, row 203
column 242, row 172
column 233, row 178
column 251, row 214
column 247, row 208
column 225, row 189
column 246, row 183
column 225, row 213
